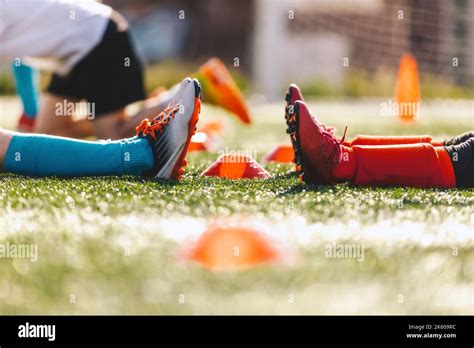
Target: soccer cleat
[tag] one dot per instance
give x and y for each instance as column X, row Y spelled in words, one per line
column 25, row 123
column 221, row 89
column 292, row 96
column 319, row 150
column 162, row 95
column 169, row 133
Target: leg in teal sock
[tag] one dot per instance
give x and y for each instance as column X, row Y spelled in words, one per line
column 43, row 155
column 26, row 80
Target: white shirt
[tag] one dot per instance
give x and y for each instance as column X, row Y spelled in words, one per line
column 51, row 34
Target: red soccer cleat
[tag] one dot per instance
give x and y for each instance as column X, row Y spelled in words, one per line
column 293, row 96
column 319, row 149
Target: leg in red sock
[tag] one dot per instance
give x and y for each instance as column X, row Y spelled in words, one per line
column 326, row 160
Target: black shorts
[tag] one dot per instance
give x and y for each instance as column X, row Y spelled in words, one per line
column 110, row 75
column 462, row 158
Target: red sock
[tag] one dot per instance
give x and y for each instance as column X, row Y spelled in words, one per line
column 346, row 169
column 389, row 140
column 412, row 165
column 392, row 140
column 447, row 170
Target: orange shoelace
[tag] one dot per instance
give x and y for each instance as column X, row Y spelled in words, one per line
column 158, row 123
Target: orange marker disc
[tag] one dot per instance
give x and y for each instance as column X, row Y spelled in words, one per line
column 236, row 166
column 232, row 248
column 281, row 153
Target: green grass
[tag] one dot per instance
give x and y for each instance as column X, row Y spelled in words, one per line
column 114, row 243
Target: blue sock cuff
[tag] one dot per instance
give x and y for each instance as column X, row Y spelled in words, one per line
column 26, row 81
column 13, row 156
column 137, row 156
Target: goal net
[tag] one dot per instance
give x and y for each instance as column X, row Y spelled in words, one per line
column 303, row 40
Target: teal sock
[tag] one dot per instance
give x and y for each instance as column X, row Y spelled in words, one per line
column 26, row 80
column 44, row 155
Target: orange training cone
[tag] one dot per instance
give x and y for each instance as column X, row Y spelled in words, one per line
column 232, row 248
column 200, row 141
column 407, row 90
column 219, row 88
column 281, row 154
column 205, row 138
column 236, row 167
column 212, row 127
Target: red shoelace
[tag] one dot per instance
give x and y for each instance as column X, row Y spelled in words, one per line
column 158, row 123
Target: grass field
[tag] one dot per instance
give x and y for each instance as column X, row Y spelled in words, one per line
column 111, row 245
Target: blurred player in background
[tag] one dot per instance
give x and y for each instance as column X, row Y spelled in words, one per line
column 87, row 47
